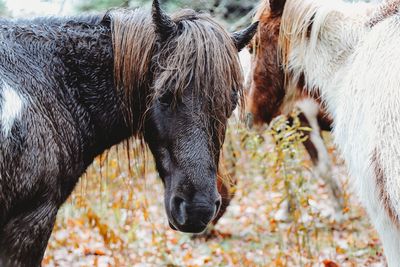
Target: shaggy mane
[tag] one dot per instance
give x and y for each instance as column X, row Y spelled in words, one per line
column 263, row 16
column 263, row 11
column 134, row 42
column 302, row 24
column 201, row 56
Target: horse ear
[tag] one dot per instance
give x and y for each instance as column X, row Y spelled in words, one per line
column 164, row 25
column 277, row 6
column 243, row 37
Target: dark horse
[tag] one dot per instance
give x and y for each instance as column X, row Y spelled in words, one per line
column 72, row 88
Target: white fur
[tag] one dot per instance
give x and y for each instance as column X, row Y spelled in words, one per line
column 357, row 71
column 12, row 105
column 245, row 61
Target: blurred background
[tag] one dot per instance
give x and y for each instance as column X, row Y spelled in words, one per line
column 234, row 12
column 116, row 216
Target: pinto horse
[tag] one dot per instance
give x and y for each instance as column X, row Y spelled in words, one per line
column 266, row 97
column 357, row 45
column 71, row 88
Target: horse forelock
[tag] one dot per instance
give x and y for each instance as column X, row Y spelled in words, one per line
column 267, row 23
column 201, row 55
column 262, row 11
column 202, row 58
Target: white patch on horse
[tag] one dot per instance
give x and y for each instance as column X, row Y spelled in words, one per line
column 245, row 61
column 12, row 105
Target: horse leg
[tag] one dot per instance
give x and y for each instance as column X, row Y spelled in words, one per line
column 319, row 155
column 387, row 227
column 24, row 238
column 379, row 192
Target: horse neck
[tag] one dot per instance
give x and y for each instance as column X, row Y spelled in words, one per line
column 324, row 53
column 77, row 73
column 90, row 69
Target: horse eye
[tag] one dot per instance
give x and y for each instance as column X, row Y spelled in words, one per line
column 250, row 47
column 166, row 99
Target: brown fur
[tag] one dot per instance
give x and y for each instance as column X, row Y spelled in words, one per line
column 266, row 91
column 325, row 121
column 381, row 189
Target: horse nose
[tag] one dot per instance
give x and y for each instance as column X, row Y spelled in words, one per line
column 193, row 216
column 179, row 210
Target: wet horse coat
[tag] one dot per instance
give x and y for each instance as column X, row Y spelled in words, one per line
column 72, row 87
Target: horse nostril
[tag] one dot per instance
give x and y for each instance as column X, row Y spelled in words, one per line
column 179, row 208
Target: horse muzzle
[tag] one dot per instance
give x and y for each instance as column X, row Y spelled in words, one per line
column 192, row 217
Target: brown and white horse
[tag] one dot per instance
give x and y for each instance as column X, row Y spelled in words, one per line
column 357, row 45
column 266, row 96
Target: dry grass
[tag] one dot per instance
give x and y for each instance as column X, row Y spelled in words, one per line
column 117, row 218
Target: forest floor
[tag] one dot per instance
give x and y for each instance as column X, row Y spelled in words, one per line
column 115, row 218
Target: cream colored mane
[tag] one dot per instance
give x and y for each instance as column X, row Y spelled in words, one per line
column 305, row 24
